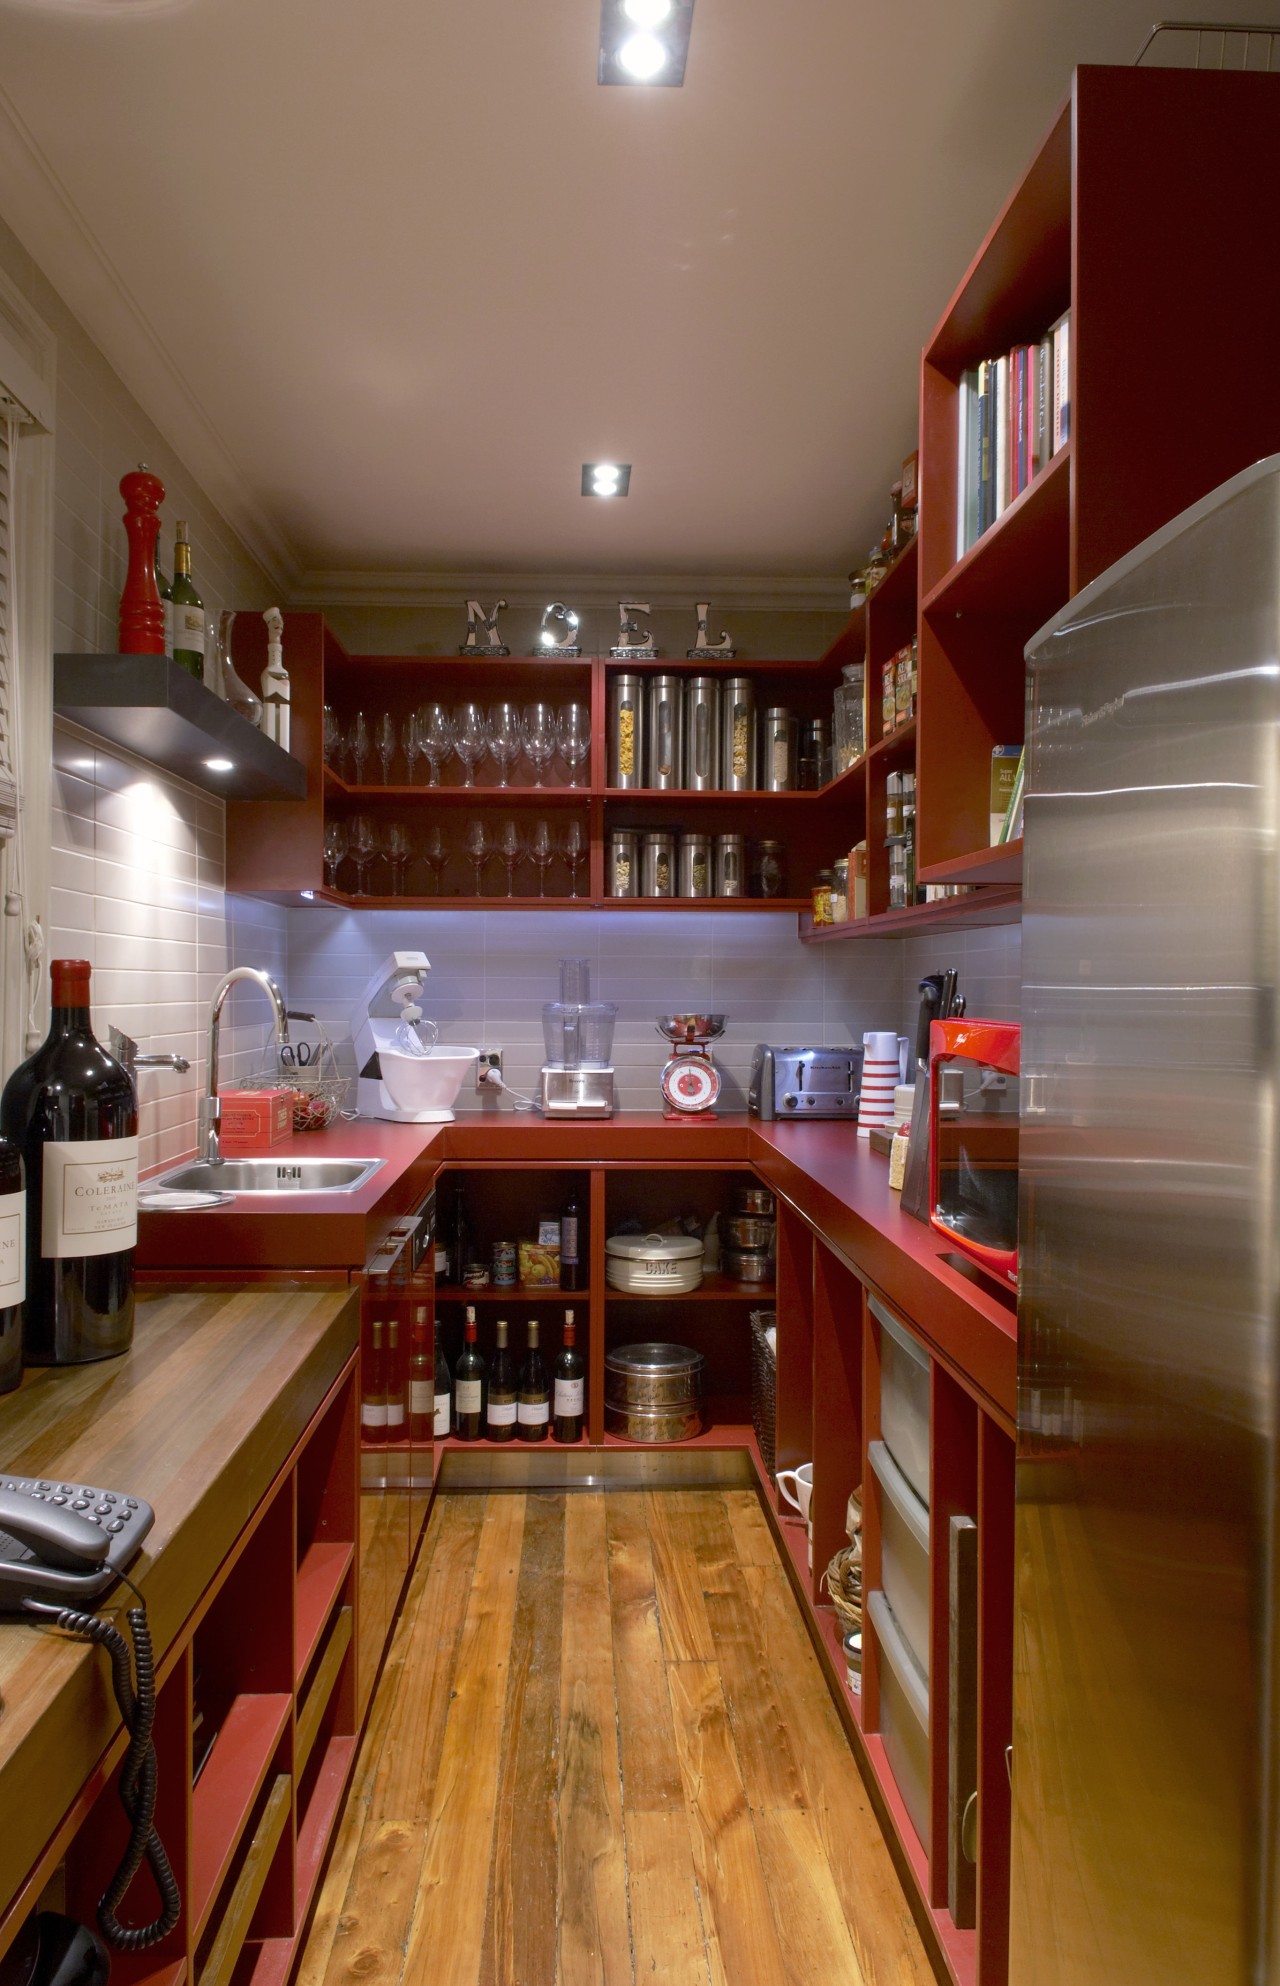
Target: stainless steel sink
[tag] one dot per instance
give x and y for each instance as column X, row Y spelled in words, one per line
column 270, row 1175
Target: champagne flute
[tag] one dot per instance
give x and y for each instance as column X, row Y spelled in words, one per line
column 470, row 739
column 411, row 743
column 384, row 738
column 332, row 739
column 358, row 746
column 505, row 740
column 574, row 848
column 511, row 849
column 542, row 848
column 397, row 848
column 362, row 847
column 539, row 728
column 573, row 736
column 335, row 848
column 435, row 728
column 479, row 848
column 435, row 854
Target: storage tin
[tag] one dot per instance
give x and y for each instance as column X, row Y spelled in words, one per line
column 751, row 1230
column 752, row 1200
column 702, row 734
column 622, row 863
column 693, row 872
column 779, row 750
column 653, row 1392
column 657, row 863
column 748, row 1265
column 730, row 865
column 640, row 1263
column 664, row 753
column 626, row 734
column 737, row 736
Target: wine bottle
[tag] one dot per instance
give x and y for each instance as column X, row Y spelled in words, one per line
column 393, row 1391
column 468, row 1386
column 569, row 1388
column 72, row 1111
column 421, row 1381
column 188, row 610
column 165, row 590
column 13, row 1260
column 533, row 1410
column 459, row 1237
column 444, row 1394
column 500, row 1413
column 373, row 1398
column 570, row 1268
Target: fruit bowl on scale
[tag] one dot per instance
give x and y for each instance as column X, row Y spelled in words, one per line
column 686, row 1029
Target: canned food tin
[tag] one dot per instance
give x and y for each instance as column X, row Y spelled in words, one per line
column 504, row 1265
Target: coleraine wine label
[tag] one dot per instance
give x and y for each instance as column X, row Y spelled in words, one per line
column 13, row 1249
column 90, row 1202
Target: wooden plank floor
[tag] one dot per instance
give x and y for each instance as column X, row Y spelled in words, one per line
column 602, row 1751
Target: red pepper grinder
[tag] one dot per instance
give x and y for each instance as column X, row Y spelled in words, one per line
column 141, row 610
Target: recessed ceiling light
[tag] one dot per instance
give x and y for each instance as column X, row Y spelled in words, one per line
column 221, row 765
column 606, row 479
column 642, row 56
column 644, row 41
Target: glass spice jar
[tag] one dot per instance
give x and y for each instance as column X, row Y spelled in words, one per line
column 768, row 874
column 823, row 897
column 840, row 892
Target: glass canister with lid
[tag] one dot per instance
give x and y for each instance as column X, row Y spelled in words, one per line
column 622, row 863
column 665, row 734
column 657, row 863
column 779, row 750
column 626, row 731
column 693, row 876
column 768, row 869
column 737, row 736
column 702, row 734
column 730, row 864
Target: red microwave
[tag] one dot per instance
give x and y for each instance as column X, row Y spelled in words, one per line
column 973, row 1140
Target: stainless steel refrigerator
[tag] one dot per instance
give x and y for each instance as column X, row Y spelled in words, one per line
column 1145, row 1695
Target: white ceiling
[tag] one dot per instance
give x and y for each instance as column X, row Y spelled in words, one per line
column 388, row 274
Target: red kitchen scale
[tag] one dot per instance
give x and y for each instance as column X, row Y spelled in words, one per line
column 690, row 1080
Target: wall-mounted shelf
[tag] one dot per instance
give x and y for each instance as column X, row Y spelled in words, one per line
column 981, row 907
column 151, row 707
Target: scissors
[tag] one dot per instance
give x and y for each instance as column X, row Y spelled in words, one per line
column 299, row 1056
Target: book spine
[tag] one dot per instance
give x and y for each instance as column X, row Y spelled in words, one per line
column 964, row 466
column 1044, row 373
column 1002, row 437
column 973, row 494
column 986, row 480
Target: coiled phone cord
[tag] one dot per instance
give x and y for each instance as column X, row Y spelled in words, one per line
column 137, row 1773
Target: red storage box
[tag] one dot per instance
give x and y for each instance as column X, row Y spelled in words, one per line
column 254, row 1120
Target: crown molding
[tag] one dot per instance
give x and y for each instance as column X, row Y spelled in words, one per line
column 54, row 232
column 728, row 592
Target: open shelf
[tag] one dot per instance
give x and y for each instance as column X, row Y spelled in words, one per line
column 482, row 794
column 896, row 751
column 155, row 709
column 715, row 1287
column 1021, row 563
column 316, row 1822
column 320, row 1580
column 223, row 1798
column 1002, row 864
column 981, row 907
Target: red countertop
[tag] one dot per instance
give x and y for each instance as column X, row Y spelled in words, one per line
column 829, row 1175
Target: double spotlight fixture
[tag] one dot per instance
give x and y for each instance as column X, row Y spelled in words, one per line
column 606, row 479
column 644, row 41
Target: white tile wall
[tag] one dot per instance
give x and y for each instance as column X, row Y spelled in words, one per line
column 492, row 971
column 989, row 963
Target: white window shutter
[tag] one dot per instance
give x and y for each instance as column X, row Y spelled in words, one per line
column 10, row 415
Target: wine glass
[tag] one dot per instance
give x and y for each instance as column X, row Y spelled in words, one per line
column 479, row 848
column 332, row 739
column 511, row 849
column 335, row 848
column 470, row 739
column 542, row 848
column 358, row 746
column 574, row 848
column 435, row 854
column 505, row 740
column 573, row 736
column 435, row 727
column 539, row 728
column 397, row 848
column 362, row 846
column 411, row 743
column 384, row 739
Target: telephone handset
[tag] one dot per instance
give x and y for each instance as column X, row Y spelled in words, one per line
column 64, row 1541
column 61, row 1544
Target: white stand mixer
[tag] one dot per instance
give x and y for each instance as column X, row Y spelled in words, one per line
column 393, row 1083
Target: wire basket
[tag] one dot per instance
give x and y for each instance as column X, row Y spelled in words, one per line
column 318, row 1091
column 764, row 1387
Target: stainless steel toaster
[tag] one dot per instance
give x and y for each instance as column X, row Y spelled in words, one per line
column 804, row 1082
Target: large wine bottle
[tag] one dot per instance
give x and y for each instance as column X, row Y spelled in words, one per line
column 13, row 1265
column 500, row 1410
column 570, row 1386
column 73, row 1114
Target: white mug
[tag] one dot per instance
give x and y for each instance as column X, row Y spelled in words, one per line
column 802, row 1479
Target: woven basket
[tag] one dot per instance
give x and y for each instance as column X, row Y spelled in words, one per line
column 764, row 1387
column 843, row 1577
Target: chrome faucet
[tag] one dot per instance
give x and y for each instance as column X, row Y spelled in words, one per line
column 125, row 1050
column 212, row 1107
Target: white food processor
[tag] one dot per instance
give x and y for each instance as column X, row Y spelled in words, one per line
column 577, row 1034
column 403, row 1074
